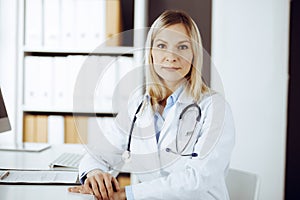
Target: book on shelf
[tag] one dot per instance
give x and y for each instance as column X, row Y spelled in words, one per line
column 42, row 128
column 55, row 129
column 72, row 23
column 35, row 128
column 29, row 128
column 113, row 22
column 76, row 129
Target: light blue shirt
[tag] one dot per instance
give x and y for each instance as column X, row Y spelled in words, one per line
column 159, row 121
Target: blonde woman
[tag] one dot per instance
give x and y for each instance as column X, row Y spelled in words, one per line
column 181, row 135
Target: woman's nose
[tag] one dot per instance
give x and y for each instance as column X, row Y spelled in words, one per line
column 171, row 57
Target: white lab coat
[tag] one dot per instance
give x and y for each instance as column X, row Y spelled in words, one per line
column 165, row 175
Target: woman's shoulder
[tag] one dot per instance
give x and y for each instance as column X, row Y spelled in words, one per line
column 213, row 98
column 135, row 99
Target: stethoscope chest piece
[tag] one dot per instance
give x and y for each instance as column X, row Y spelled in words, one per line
column 126, row 157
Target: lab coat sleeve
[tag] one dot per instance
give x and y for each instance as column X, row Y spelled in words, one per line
column 110, row 144
column 201, row 178
column 89, row 163
column 105, row 153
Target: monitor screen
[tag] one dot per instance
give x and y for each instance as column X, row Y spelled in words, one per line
column 5, row 126
column 4, row 121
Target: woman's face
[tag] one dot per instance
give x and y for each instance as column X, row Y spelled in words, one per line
column 172, row 55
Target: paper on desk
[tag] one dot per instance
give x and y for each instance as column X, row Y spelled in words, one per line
column 40, row 177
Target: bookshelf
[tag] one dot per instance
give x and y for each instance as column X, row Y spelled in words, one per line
column 121, row 50
column 48, row 41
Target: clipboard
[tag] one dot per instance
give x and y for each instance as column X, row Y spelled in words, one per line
column 40, row 177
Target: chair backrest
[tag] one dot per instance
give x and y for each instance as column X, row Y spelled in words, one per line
column 242, row 185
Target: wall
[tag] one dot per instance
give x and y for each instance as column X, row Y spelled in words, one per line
column 8, row 62
column 250, row 51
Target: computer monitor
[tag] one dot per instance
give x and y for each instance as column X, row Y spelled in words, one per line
column 4, row 121
column 5, row 126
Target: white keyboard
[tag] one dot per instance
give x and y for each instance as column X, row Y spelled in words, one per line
column 70, row 160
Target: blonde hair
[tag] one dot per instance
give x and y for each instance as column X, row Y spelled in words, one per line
column 155, row 88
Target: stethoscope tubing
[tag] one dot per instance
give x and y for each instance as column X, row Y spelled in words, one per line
column 127, row 152
column 132, row 126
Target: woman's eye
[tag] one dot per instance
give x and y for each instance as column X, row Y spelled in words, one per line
column 183, row 47
column 161, row 46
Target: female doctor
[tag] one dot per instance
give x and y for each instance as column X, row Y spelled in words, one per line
column 182, row 133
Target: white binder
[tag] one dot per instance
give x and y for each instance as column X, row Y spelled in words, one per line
column 60, row 78
column 45, row 84
column 52, row 32
column 68, row 23
column 56, row 129
column 33, row 23
column 32, row 68
column 90, row 23
column 97, row 17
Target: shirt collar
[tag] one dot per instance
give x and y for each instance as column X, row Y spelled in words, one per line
column 171, row 100
column 179, row 95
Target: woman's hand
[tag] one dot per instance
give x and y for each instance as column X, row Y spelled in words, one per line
column 103, row 185
column 120, row 195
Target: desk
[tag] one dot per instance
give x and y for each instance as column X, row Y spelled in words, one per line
column 38, row 192
column 37, row 160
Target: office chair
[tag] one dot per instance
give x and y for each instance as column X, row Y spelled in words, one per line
column 242, row 185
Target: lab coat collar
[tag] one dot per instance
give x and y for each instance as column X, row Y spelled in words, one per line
column 185, row 98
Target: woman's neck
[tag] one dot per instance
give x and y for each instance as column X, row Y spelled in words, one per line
column 173, row 86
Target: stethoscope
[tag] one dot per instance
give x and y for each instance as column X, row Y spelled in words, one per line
column 126, row 156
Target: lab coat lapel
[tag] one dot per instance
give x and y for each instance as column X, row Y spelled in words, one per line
column 144, row 156
column 168, row 127
column 144, row 140
column 169, row 130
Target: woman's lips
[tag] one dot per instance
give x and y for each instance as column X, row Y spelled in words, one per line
column 171, row 68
